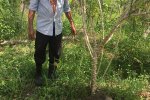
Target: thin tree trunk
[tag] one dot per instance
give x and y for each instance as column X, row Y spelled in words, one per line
column 22, row 7
column 94, row 74
column 102, row 16
column 23, row 10
column 94, row 61
column 84, row 28
column 100, row 2
column 93, row 54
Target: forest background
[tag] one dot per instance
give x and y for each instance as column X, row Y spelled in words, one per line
column 108, row 59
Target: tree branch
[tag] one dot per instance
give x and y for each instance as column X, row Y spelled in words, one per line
column 119, row 22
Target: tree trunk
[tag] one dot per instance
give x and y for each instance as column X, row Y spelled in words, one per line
column 94, row 74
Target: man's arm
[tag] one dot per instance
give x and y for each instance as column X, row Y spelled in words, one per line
column 31, row 32
column 67, row 11
column 32, row 9
column 69, row 16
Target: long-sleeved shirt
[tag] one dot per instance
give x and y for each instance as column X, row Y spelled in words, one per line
column 46, row 16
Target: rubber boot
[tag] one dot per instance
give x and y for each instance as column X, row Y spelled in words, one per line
column 52, row 71
column 38, row 76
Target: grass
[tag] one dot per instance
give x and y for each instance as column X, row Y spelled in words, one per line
column 74, row 75
column 17, row 73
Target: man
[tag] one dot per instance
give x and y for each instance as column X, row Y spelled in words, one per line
column 48, row 32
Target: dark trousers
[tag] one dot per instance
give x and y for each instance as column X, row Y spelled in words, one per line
column 41, row 42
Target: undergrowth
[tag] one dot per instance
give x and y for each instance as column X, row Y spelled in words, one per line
column 74, row 75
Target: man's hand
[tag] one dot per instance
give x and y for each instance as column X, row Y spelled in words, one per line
column 31, row 34
column 69, row 16
column 73, row 29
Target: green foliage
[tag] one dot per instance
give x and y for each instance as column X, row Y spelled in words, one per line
column 6, row 30
column 66, row 27
column 10, row 19
column 126, row 77
column 73, row 76
column 133, row 48
column 74, row 71
column 127, row 89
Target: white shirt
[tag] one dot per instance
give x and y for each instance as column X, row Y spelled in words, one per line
column 46, row 16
